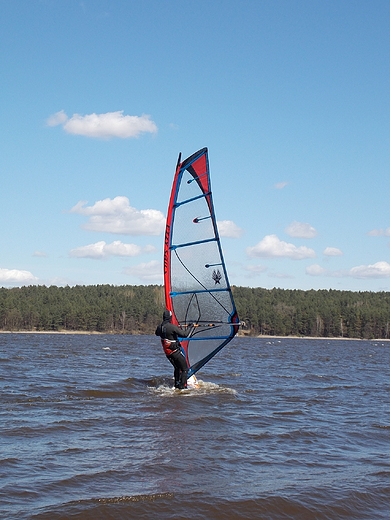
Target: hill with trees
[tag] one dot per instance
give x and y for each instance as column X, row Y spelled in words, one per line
column 137, row 310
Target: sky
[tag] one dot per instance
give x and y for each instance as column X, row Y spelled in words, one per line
column 291, row 98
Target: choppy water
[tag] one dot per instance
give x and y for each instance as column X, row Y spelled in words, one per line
column 294, row 428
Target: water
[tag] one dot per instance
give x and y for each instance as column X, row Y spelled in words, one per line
column 90, row 428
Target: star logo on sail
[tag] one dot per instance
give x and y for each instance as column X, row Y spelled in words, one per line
column 217, row 276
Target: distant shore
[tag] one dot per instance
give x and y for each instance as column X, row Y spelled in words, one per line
column 87, row 332
column 94, row 332
column 320, row 337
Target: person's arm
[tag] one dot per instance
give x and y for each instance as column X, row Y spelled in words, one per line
column 183, row 333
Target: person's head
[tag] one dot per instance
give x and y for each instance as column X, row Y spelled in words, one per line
column 167, row 316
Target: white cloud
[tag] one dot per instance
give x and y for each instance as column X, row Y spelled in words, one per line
column 59, row 118
column 151, row 272
column 62, row 281
column 300, row 230
column 16, row 276
column 332, row 251
column 280, row 185
column 117, row 216
column 227, row 228
column 101, row 250
column 379, row 232
column 316, row 270
column 272, row 247
column 111, row 124
column 377, row 270
column 40, row 254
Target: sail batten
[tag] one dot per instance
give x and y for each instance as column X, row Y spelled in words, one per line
column 218, row 338
column 187, row 244
column 199, row 291
column 191, row 200
column 197, row 288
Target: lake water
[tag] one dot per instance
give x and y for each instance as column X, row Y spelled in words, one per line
column 90, row 428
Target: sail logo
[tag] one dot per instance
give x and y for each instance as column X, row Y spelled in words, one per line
column 166, row 250
column 217, row 276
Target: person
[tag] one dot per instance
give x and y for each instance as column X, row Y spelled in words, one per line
column 169, row 334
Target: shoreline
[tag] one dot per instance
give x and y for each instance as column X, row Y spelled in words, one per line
column 321, row 337
column 85, row 332
column 96, row 333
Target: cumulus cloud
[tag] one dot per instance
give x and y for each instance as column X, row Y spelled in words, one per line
column 379, row 232
column 272, row 247
column 316, row 270
column 227, row 228
column 101, row 250
column 117, row 216
column 16, row 276
column 377, row 270
column 300, row 230
column 332, row 251
column 105, row 126
column 151, row 272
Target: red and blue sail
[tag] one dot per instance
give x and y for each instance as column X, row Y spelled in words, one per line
column 197, row 288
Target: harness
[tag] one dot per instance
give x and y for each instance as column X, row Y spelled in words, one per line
column 169, row 345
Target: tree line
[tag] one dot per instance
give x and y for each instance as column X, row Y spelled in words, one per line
column 137, row 310
column 322, row 313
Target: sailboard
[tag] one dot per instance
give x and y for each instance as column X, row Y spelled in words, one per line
column 197, row 289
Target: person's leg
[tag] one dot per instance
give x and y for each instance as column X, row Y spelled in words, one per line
column 176, row 369
column 177, row 377
column 183, row 378
column 182, row 363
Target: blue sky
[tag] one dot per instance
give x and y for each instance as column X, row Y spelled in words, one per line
column 291, row 98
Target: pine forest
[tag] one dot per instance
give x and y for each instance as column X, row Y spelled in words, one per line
column 138, row 309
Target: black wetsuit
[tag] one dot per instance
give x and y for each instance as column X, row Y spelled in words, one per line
column 169, row 334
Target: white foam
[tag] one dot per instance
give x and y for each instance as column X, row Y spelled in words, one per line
column 202, row 388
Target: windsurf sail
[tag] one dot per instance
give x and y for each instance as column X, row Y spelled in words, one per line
column 197, row 288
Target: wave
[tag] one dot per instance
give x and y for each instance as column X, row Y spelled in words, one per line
column 319, row 505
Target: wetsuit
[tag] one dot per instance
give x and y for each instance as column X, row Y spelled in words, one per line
column 169, row 334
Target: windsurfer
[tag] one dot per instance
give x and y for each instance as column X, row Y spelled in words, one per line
column 169, row 334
